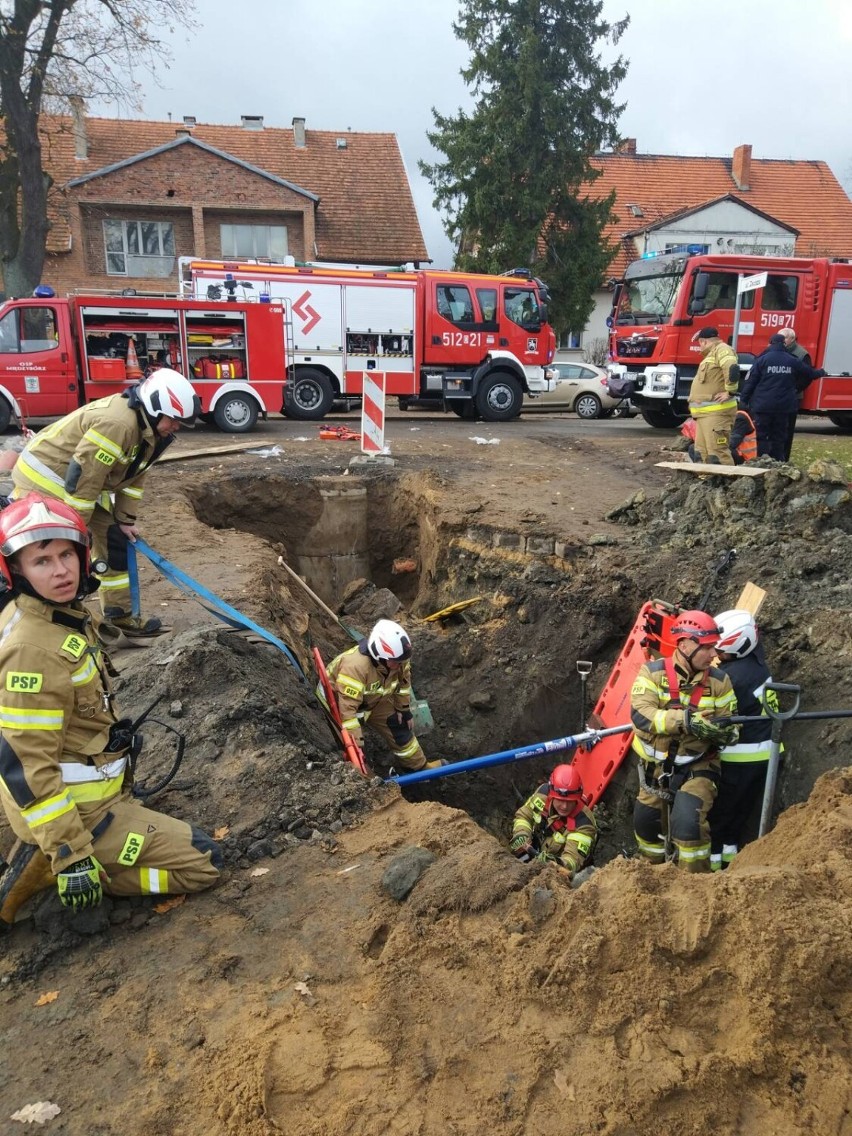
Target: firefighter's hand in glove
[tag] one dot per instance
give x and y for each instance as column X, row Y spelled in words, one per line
column 80, row 884
column 711, row 732
column 520, row 846
column 399, row 724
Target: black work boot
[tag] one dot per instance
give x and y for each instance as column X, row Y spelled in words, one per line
column 27, row 873
column 132, row 624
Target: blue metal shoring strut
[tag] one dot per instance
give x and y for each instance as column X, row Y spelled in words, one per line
column 541, row 749
column 213, row 603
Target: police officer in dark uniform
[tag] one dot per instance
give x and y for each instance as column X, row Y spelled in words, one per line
column 771, row 395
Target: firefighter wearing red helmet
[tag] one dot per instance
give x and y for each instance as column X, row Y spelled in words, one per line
column 65, row 779
column 675, row 707
column 372, row 681
column 95, row 460
column 555, row 824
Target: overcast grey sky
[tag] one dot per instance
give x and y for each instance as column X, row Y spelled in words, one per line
column 702, row 78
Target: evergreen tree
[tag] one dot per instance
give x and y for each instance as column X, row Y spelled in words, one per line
column 516, row 188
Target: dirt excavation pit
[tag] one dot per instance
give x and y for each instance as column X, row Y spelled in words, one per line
column 314, row 991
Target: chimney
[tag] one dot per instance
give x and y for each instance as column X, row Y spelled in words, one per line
column 182, row 132
column 252, row 121
column 78, row 117
column 741, row 167
column 626, row 146
column 299, row 133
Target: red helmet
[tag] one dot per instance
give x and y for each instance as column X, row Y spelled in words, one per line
column 697, row 625
column 35, row 518
column 565, row 785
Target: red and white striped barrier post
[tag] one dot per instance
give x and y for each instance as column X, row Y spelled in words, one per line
column 373, row 413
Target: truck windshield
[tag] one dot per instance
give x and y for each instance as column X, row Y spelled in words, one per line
column 648, row 299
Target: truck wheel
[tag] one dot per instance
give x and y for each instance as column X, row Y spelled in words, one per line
column 662, row 417
column 463, row 407
column 310, row 396
column 499, row 398
column 840, row 418
column 5, row 415
column 236, row 413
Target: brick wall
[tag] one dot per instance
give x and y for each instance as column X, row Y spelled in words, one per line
column 166, row 187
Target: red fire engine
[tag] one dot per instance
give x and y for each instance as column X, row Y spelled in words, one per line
column 664, row 300
column 56, row 354
column 473, row 343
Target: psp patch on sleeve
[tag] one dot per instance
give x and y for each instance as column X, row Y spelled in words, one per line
column 24, row 682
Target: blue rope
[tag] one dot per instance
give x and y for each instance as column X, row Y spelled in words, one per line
column 213, row 603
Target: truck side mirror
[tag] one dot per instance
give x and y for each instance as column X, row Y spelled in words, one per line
column 702, row 283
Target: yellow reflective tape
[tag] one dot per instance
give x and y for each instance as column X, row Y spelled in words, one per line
column 48, row 484
column 129, row 854
column 75, row 645
column 81, row 504
column 153, row 881
column 105, row 443
column 104, row 458
column 128, row 491
column 114, row 582
column 26, row 682
column 351, row 724
column 84, row 674
column 13, row 718
column 409, row 750
column 85, row 792
column 46, row 811
column 699, row 853
column 350, row 681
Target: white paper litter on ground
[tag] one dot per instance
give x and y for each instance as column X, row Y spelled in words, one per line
column 485, row 441
column 267, row 452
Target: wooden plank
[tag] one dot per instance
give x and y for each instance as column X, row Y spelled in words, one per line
column 175, row 454
column 750, row 599
column 720, row 470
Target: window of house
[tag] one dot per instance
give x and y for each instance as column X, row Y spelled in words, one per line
column 28, row 329
column 268, row 242
column 780, row 294
column 570, row 341
column 139, row 248
column 455, row 303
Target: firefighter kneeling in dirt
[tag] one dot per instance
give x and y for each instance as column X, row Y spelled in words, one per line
column 64, row 756
column 373, row 685
column 555, row 824
column 672, row 704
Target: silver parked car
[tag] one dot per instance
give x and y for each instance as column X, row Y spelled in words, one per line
column 582, row 389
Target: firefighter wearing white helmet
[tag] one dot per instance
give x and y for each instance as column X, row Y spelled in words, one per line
column 372, row 682
column 744, row 764
column 95, row 460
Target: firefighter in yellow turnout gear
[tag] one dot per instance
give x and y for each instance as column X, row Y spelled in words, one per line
column 672, row 702
column 64, row 757
column 554, row 823
column 713, row 398
column 95, row 460
column 372, row 681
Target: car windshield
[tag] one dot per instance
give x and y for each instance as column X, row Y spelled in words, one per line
column 648, row 298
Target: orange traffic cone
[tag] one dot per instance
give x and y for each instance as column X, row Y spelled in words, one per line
column 131, row 367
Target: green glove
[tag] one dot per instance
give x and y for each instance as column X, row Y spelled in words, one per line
column 80, row 884
column 520, row 845
column 711, row 733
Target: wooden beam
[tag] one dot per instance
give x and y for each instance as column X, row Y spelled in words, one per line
column 174, row 454
column 716, row 470
column 750, row 599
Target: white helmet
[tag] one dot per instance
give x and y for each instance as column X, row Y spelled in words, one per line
column 388, row 642
column 167, row 392
column 737, row 633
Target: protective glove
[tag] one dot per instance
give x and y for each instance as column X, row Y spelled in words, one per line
column 80, row 884
column 520, row 846
column 399, row 724
column 710, row 732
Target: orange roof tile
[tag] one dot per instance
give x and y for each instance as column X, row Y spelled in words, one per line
column 366, row 210
column 804, row 195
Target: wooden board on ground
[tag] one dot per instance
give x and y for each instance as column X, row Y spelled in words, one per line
column 721, row 470
column 751, row 599
column 174, row 454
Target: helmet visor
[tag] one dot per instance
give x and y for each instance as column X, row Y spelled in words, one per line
column 34, row 536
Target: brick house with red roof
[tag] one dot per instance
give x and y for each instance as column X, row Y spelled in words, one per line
column 129, row 197
column 741, row 204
